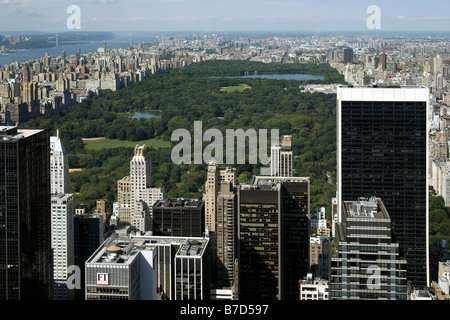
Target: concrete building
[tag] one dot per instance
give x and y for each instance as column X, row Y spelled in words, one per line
column 282, row 158
column 59, row 166
column 62, row 244
column 313, row 288
column 226, row 235
column 192, row 270
column 146, row 267
column 214, row 177
column 442, row 286
column 121, row 269
column 365, row 263
column 136, row 196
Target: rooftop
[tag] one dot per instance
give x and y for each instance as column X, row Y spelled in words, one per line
column 178, row 203
column 120, row 249
column 366, row 208
column 13, row 133
column 270, row 180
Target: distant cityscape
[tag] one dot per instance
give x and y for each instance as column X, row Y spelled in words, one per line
column 241, row 241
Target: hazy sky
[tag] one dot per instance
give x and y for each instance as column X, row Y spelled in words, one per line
column 224, row 15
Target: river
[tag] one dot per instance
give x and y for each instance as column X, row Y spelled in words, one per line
column 34, row 54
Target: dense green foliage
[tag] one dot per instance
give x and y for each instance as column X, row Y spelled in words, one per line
column 183, row 96
column 439, row 219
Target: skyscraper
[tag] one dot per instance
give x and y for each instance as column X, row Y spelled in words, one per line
column 282, row 158
column 226, row 234
column 382, row 144
column 348, row 55
column 135, row 193
column 88, row 236
column 59, row 166
column 62, row 208
column 383, row 61
column 62, row 244
column 273, row 237
column 366, row 264
column 25, row 225
column 214, row 177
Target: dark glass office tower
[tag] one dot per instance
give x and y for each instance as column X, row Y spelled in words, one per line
column 25, row 215
column 179, row 217
column 382, row 147
column 273, row 237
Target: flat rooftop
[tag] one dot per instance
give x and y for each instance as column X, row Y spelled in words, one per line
column 178, row 203
column 366, row 208
column 119, row 249
column 13, row 133
column 271, row 180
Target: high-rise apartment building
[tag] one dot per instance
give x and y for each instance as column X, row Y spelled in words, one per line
column 214, row 223
column 366, row 263
column 213, row 179
column 62, row 244
column 25, row 215
column 383, row 61
column 348, row 55
column 382, row 145
column 59, row 166
column 136, row 195
column 282, row 158
column 273, row 237
column 226, row 232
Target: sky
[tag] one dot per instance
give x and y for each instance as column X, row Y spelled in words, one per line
column 224, row 15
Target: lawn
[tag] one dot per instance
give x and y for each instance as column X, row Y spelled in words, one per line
column 115, row 143
column 239, row 88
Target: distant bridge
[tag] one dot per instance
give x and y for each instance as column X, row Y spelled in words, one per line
column 57, row 41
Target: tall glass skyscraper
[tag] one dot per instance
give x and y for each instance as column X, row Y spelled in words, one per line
column 25, row 225
column 382, row 144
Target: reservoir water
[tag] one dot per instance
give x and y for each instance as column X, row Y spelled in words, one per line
column 278, row 76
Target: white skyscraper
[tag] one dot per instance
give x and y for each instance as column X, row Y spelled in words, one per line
column 282, row 158
column 62, row 218
column 62, row 244
column 138, row 210
column 59, row 167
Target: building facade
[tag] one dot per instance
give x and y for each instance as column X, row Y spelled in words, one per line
column 382, row 145
column 282, row 158
column 365, row 263
column 59, row 166
column 62, row 244
column 179, row 217
column 25, row 215
column 136, row 196
column 273, row 237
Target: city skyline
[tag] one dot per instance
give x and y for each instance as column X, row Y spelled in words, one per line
column 249, row 15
